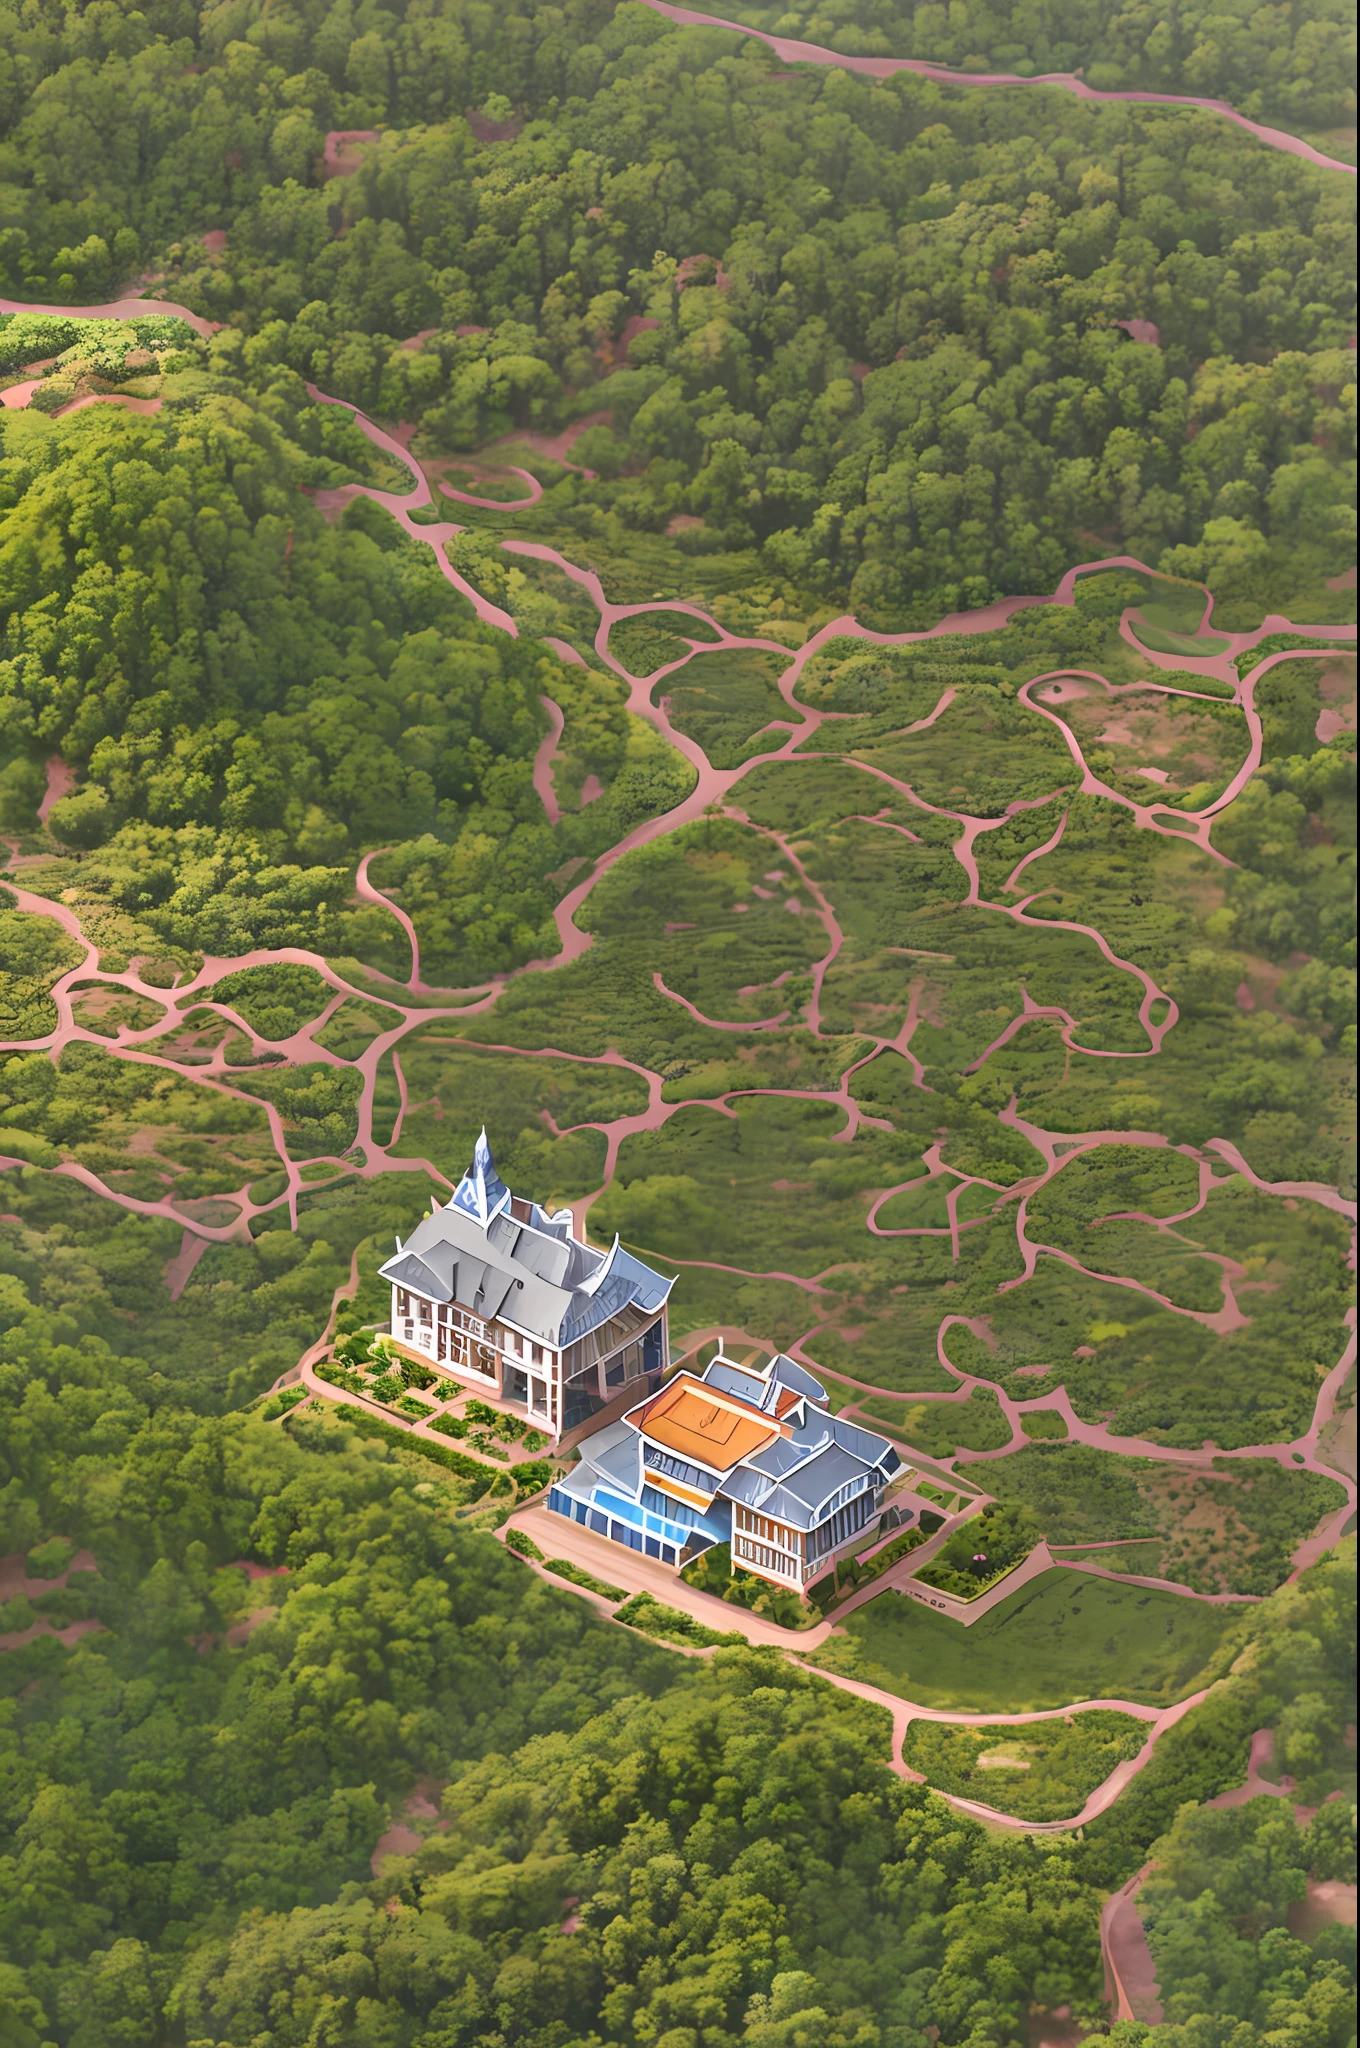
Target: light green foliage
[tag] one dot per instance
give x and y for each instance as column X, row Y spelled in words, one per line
column 651, row 640
column 95, row 1108
column 1227, row 1526
column 577, row 1575
column 1043, row 1771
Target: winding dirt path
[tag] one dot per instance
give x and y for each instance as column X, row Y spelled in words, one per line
column 561, row 1539
column 789, row 51
column 714, row 788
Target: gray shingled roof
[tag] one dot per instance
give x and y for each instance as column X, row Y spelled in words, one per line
column 531, row 1272
column 789, row 1373
column 815, row 1481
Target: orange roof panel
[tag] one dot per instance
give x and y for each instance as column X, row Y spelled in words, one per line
column 712, row 1429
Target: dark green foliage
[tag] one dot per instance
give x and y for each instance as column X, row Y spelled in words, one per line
column 275, row 1001
column 1289, row 65
column 982, row 1551
column 1216, row 1908
column 835, row 342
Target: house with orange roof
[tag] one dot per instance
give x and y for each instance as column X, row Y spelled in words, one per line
column 740, row 1454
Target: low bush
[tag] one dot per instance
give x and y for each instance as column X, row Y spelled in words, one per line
column 579, row 1576
column 982, row 1551
column 653, row 1618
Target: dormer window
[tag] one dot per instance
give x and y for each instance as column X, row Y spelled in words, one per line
column 843, row 1494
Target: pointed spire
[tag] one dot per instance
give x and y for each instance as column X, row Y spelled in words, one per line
column 481, row 1193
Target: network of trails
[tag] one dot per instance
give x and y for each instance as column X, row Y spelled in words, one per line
column 918, row 1010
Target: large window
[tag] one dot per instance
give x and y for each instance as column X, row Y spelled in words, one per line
column 848, row 1492
column 676, row 1468
column 662, row 1504
column 748, row 1551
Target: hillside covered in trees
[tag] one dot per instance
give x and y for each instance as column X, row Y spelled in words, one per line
column 783, row 635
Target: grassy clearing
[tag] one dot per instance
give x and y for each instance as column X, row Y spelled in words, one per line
column 1042, row 1772
column 939, row 1428
column 1227, row 1526
column 1064, row 1637
column 726, row 700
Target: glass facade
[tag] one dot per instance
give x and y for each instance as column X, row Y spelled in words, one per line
column 649, row 1539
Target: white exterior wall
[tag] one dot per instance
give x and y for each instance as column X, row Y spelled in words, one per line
column 770, row 1549
column 419, row 1333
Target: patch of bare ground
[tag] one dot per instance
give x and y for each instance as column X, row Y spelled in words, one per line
column 1150, row 736
column 1337, row 689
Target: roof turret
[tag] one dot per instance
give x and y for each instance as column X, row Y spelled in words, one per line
column 481, row 1193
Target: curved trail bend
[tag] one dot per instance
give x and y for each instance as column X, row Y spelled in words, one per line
column 367, row 1159
column 790, row 51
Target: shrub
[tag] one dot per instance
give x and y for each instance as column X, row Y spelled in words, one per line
column 280, row 1403
column 508, row 1428
column 532, row 1478
column 712, row 1572
column 373, row 1426
column 655, row 1619
column 983, row 1551
column 578, row 1576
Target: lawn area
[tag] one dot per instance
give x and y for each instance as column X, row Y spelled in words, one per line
column 1064, row 1637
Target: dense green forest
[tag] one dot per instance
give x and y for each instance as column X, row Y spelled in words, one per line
column 1292, row 64
column 627, row 1845
column 864, row 334
column 961, row 1013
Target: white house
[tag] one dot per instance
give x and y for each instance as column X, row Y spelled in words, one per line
column 507, row 1299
